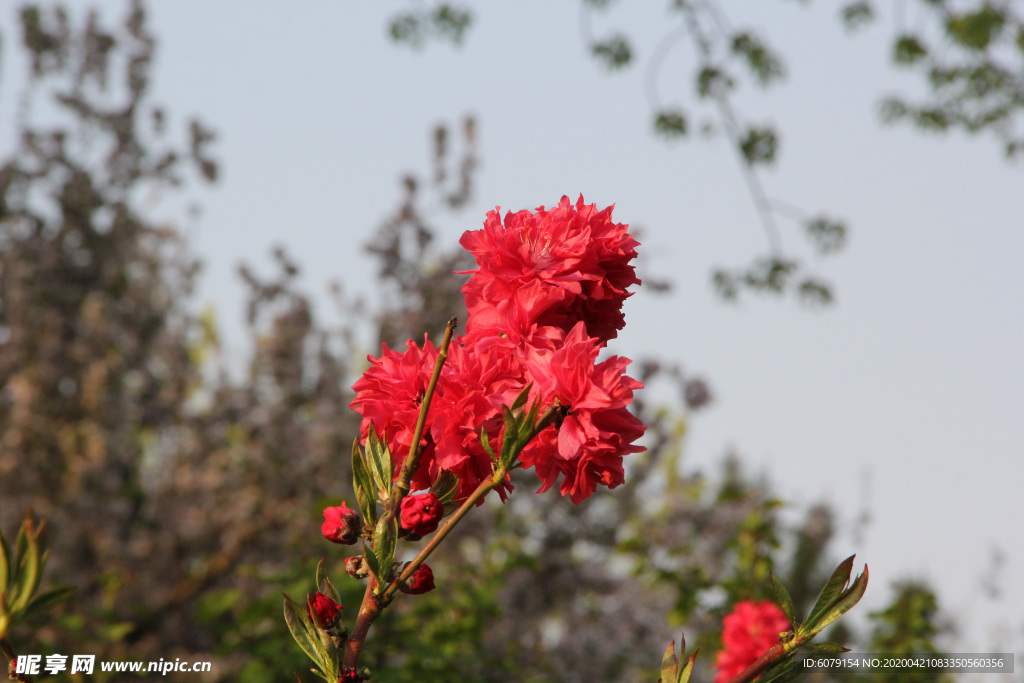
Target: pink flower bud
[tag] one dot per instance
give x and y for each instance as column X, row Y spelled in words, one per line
column 421, row 581
column 341, row 525
column 327, row 611
column 421, row 513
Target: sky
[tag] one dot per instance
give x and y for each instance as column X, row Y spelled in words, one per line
column 903, row 399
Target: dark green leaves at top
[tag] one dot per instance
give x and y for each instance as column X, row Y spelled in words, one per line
column 908, row 49
column 764, row 64
column 828, row 236
column 714, row 82
column 446, row 22
column 614, row 52
column 857, row 14
column 759, row 146
column 670, row 124
column 975, row 30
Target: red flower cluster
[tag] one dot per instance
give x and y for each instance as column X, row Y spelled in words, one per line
column 544, row 300
column 747, row 633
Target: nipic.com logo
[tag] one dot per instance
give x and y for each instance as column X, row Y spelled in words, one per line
column 86, row 664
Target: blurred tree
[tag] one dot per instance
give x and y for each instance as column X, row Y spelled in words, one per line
column 970, row 54
column 182, row 500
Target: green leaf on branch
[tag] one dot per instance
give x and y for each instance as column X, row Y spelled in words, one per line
column 765, row 64
column 670, row 671
column 614, row 53
column 363, row 485
column 835, row 598
column 522, row 397
column 371, row 560
column 670, row 124
column 324, row 583
column 379, row 463
column 857, row 14
column 385, row 540
column 783, row 600
column 908, row 50
column 759, row 146
column 485, row 441
column 302, row 630
column 50, row 598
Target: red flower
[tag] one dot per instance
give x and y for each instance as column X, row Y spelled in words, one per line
column 747, row 633
column 327, row 611
column 421, row 581
column 599, row 430
column 341, row 525
column 421, row 513
column 560, row 265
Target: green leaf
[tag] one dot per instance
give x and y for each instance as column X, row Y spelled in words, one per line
column 615, row 52
column 684, row 675
column 670, row 124
column 783, row 671
column 298, row 623
column 485, row 441
column 324, row 583
column 670, row 664
column 843, row 603
column 907, row 50
column 6, row 564
column 857, row 14
column 828, row 648
column 764, row 64
column 385, row 540
column 48, row 599
column 363, row 485
column 784, row 601
column 831, row 591
column 27, row 574
column 522, row 397
column 379, row 462
column 759, row 146
column 447, row 485
column 371, row 560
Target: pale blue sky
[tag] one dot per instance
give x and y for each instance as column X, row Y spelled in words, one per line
column 915, row 379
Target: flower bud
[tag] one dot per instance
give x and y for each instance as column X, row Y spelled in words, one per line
column 341, row 525
column 421, row 513
column 327, row 611
column 357, row 567
column 421, row 581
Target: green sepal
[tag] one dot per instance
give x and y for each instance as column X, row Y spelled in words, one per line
column 446, row 486
column 379, row 463
column 362, row 484
column 385, row 540
column 324, row 583
column 50, row 598
column 783, row 600
column 522, row 397
column 485, row 441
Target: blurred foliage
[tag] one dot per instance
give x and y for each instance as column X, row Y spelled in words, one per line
column 183, row 500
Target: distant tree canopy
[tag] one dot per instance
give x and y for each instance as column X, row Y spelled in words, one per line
column 969, row 53
column 182, row 500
